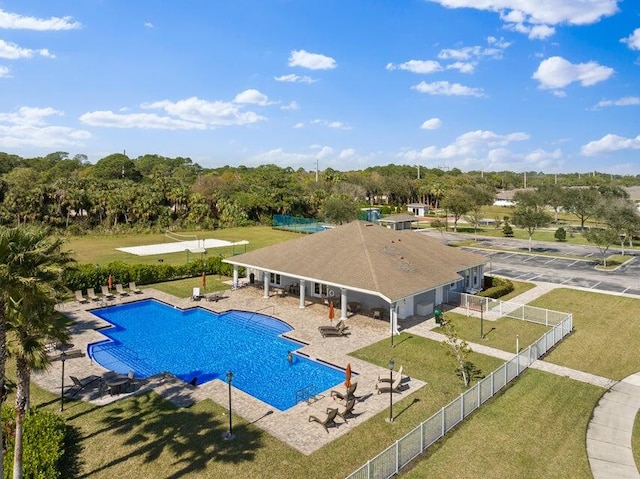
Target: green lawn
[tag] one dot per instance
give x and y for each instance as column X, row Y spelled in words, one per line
column 500, row 334
column 635, row 440
column 535, row 429
column 606, row 330
column 85, row 250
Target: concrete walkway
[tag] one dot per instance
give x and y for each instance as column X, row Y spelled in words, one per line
column 610, row 431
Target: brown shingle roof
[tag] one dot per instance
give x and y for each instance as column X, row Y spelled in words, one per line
column 366, row 257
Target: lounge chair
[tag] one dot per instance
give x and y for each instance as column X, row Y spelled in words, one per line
column 386, row 379
column 106, row 294
column 79, row 298
column 393, row 387
column 348, row 409
column 120, row 290
column 330, row 420
column 196, row 296
column 348, row 395
column 338, row 325
column 342, row 331
column 134, row 289
column 79, row 385
column 215, row 296
column 91, row 294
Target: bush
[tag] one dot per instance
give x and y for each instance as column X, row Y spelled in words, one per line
column 561, row 234
column 89, row 276
column 496, row 287
column 43, row 443
column 507, row 230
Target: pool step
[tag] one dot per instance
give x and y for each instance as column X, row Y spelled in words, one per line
column 124, row 356
column 253, row 323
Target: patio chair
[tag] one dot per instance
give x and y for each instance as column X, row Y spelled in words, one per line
column 386, row 379
column 79, row 298
column 134, row 289
column 106, row 294
column 329, row 420
column 393, row 387
column 79, row 385
column 348, row 409
column 120, row 290
column 215, row 296
column 348, row 395
column 91, row 294
column 196, row 296
column 338, row 325
column 342, row 331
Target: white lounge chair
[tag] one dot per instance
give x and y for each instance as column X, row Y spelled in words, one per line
column 394, row 387
column 134, row 289
column 106, row 294
column 91, row 294
column 120, row 290
column 196, row 296
column 385, row 379
column 79, row 298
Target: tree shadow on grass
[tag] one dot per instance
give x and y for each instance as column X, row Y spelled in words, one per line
column 152, row 426
column 71, row 462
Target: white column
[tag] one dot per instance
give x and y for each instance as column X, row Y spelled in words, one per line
column 266, row 284
column 393, row 319
column 303, row 293
column 235, row 275
column 343, row 303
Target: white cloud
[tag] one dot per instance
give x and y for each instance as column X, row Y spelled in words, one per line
column 253, row 97
column 189, row 114
column 145, row 121
column 610, row 143
column 462, row 67
column 347, row 154
column 216, row 113
column 4, row 71
column 625, row 101
column 556, row 72
column 312, row 61
column 475, row 52
column 28, row 127
column 15, row 21
column 633, row 40
column 446, row 88
column 431, row 124
column 535, row 12
column 293, row 78
column 417, row 66
column 148, row 25
column 338, row 125
column 298, row 125
column 12, row 51
column 291, row 106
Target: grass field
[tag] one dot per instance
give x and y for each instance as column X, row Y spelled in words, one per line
column 517, row 438
column 85, row 249
column 605, row 331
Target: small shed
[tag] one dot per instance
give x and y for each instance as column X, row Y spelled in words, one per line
column 418, row 209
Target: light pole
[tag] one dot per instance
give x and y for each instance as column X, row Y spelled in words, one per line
column 63, row 357
column 229, row 435
column 391, row 364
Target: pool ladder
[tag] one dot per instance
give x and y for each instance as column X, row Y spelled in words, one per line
column 307, row 393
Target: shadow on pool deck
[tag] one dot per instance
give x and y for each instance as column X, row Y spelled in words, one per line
column 291, row 426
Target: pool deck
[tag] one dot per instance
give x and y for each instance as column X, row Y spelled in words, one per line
column 291, row 426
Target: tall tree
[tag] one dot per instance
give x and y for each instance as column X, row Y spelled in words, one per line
column 581, row 202
column 529, row 212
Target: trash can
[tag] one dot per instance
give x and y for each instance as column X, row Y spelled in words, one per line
column 438, row 314
column 252, row 278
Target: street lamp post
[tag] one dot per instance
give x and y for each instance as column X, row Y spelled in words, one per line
column 229, row 435
column 391, row 364
column 63, row 357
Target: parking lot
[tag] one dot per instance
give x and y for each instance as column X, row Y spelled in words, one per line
column 547, row 263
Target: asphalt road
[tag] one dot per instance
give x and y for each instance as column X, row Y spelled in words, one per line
column 518, row 264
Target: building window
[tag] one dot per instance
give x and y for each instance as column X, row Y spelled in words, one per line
column 274, row 278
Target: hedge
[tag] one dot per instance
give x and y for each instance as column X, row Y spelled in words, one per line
column 93, row 276
column 496, row 287
column 43, row 443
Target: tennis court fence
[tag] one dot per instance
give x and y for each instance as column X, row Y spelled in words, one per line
column 404, row 450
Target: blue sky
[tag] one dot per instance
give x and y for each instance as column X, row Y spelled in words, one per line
column 521, row 85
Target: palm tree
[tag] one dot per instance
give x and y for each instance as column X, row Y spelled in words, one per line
column 31, row 267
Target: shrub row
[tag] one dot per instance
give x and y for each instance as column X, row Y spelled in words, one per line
column 43, row 443
column 93, row 276
column 496, row 287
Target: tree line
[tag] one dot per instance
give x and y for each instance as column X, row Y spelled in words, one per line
column 155, row 192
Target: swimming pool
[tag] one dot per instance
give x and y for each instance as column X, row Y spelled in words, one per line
column 151, row 337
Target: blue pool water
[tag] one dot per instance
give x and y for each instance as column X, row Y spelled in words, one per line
column 150, row 337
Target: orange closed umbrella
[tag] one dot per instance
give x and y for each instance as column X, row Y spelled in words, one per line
column 110, row 282
column 332, row 313
column 347, row 383
column 204, row 280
